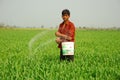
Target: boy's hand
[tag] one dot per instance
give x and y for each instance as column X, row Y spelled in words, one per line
column 58, row 40
column 63, row 36
column 67, row 37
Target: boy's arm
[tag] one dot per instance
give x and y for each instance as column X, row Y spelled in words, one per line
column 71, row 32
column 58, row 34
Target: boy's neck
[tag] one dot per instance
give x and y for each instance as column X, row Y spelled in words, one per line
column 65, row 22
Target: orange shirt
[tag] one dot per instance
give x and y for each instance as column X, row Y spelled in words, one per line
column 67, row 29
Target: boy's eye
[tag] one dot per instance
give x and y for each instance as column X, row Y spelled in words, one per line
column 65, row 15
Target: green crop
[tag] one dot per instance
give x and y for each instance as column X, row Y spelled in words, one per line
column 97, row 55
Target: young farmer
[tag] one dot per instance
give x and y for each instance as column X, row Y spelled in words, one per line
column 66, row 32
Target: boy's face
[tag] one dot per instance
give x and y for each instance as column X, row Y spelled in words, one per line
column 65, row 17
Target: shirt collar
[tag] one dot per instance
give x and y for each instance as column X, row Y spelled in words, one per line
column 66, row 22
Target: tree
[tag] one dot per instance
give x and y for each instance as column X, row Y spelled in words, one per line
column 2, row 25
column 42, row 26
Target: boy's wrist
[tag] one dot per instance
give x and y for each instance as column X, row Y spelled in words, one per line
column 65, row 36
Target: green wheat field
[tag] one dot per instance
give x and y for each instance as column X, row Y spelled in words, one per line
column 32, row 54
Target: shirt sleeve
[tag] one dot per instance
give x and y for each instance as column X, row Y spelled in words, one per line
column 59, row 30
column 72, row 31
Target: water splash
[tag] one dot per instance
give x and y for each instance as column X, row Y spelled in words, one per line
column 43, row 44
column 35, row 38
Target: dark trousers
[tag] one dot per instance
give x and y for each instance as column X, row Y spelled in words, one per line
column 66, row 57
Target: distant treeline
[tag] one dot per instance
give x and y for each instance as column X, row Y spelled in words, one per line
column 83, row 28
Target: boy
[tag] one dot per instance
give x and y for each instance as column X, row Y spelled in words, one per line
column 66, row 32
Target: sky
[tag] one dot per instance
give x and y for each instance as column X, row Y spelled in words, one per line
column 35, row 13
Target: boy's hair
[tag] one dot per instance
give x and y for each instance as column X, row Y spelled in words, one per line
column 65, row 11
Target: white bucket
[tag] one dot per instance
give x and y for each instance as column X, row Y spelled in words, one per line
column 68, row 48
